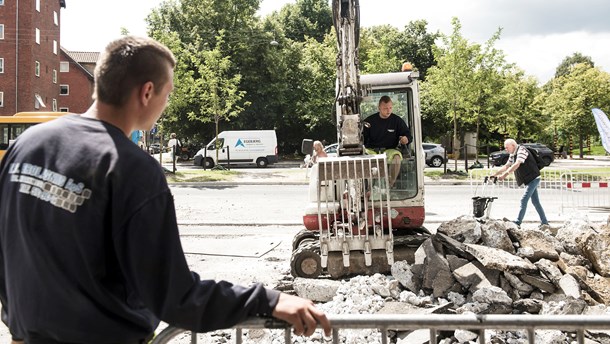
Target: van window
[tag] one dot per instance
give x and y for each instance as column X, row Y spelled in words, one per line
column 220, row 143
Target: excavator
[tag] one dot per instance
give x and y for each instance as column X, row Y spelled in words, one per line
column 355, row 222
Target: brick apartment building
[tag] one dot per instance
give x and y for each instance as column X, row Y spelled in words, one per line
column 29, row 55
column 36, row 74
column 76, row 80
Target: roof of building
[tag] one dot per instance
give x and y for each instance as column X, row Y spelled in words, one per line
column 83, row 56
column 79, row 64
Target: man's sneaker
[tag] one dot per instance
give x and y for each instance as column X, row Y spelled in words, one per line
column 548, row 229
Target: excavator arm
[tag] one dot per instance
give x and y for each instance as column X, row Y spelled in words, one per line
column 346, row 19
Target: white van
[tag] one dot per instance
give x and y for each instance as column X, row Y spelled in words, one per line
column 240, row 147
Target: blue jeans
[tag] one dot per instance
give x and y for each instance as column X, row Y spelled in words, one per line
column 531, row 191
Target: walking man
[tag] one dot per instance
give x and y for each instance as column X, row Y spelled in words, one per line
column 526, row 172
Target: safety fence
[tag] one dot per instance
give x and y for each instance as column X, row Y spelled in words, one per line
column 570, row 189
column 584, row 190
column 578, row 326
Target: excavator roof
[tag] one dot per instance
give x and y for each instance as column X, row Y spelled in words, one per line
column 388, row 79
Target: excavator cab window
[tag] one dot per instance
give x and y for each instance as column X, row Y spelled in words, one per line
column 402, row 99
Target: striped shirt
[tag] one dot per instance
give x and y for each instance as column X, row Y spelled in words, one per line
column 521, row 153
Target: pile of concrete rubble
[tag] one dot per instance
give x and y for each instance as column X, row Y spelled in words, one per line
column 493, row 267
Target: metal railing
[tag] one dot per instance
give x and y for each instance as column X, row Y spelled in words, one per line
column 384, row 323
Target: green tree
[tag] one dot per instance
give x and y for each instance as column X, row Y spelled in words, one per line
column 567, row 65
column 451, row 80
column 519, row 117
column 572, row 98
column 415, row 44
column 306, row 18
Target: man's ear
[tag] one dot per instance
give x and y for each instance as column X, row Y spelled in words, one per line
column 146, row 92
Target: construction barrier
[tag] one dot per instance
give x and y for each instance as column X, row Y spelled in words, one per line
column 573, row 190
column 384, row 323
column 586, row 190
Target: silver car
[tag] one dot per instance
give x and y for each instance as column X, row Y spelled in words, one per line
column 435, row 154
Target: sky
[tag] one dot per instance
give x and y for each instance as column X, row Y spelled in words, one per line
column 536, row 34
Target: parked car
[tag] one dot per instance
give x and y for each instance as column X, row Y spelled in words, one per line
column 435, row 154
column 500, row 158
column 155, row 148
column 331, row 150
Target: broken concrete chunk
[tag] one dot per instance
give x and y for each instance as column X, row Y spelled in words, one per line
column 550, row 270
column 522, row 288
column 316, row 290
column 463, row 229
column 494, row 234
column 530, row 306
column 471, row 277
column 544, row 246
column 402, row 272
column 499, row 302
column 539, row 282
column 595, row 248
column 567, row 306
column 493, row 258
column 569, row 285
column 568, row 234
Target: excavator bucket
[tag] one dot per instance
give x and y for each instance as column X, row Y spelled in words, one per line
column 353, row 208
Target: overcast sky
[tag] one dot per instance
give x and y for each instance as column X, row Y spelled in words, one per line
column 536, row 35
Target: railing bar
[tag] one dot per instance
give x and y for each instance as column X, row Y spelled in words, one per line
column 482, row 336
column 433, row 336
column 531, row 335
column 335, row 336
column 580, row 336
column 287, row 336
column 238, row 336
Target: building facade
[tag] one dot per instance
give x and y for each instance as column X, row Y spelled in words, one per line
column 76, row 80
column 29, row 55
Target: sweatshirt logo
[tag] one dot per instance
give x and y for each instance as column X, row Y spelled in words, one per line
column 49, row 186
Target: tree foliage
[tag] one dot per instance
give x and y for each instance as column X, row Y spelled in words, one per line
column 572, row 98
column 567, row 64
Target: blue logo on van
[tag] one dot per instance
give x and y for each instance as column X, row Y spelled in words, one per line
column 240, row 143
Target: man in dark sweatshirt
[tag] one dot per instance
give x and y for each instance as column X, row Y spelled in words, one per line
column 90, row 249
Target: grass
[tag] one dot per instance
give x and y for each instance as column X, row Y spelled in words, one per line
column 199, row 175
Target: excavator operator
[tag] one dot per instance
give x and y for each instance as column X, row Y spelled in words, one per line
column 383, row 132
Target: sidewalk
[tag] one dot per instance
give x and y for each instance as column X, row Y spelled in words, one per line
column 288, row 172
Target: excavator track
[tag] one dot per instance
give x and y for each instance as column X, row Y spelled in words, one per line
column 306, row 261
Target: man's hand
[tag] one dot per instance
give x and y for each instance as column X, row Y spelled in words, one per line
column 302, row 314
column 403, row 140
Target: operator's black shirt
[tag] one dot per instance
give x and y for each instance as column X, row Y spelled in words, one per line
column 384, row 133
column 90, row 249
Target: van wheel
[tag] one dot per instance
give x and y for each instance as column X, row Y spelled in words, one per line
column 262, row 162
column 207, row 163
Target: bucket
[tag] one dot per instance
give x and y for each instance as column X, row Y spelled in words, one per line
column 479, row 205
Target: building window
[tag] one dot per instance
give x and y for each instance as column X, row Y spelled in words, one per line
column 64, row 110
column 1, row 2
column 38, row 103
column 54, row 76
column 64, row 67
column 1, row 31
column 54, row 104
column 55, row 47
column 1, row 65
column 37, row 5
column 64, row 90
column 37, row 36
column 37, row 68
column 1, row 99
column 55, row 18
